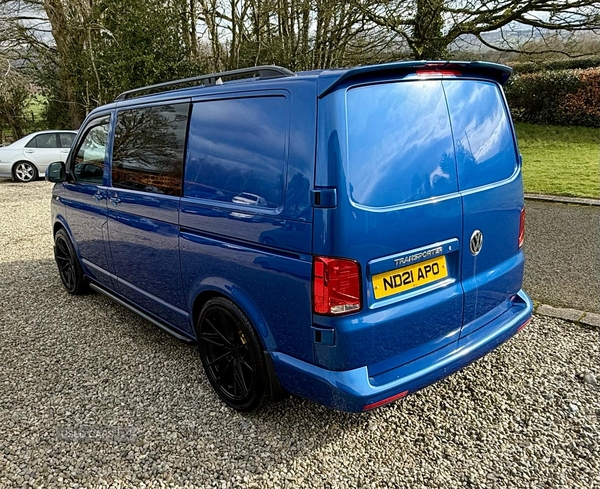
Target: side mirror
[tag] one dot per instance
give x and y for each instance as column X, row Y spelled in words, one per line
column 56, row 172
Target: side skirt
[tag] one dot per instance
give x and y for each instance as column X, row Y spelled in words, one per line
column 147, row 317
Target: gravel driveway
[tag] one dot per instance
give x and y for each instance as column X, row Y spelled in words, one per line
column 92, row 396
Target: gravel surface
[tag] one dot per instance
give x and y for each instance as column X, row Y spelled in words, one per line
column 92, row 396
column 563, row 255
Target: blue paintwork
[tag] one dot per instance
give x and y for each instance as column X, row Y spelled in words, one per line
column 351, row 390
column 85, row 215
column 144, row 240
column 349, row 135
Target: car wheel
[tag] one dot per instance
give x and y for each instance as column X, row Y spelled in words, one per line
column 68, row 264
column 232, row 356
column 24, row 171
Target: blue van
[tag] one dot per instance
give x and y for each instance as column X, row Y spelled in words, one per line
column 348, row 236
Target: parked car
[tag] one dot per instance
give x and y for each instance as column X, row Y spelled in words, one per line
column 26, row 159
column 380, row 248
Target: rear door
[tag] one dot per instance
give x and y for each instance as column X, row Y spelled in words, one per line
column 399, row 214
column 492, row 193
column 66, row 141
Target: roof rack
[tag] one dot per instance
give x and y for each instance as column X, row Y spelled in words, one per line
column 264, row 72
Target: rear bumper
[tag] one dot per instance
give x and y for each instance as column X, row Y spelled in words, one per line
column 352, row 390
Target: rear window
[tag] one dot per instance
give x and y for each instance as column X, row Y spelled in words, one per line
column 485, row 148
column 237, row 151
column 400, row 146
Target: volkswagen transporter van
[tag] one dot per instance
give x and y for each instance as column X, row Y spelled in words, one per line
column 348, row 236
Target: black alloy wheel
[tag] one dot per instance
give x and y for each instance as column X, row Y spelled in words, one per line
column 232, row 356
column 68, row 264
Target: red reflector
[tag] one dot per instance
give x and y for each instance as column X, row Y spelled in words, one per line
column 336, row 286
column 434, row 72
column 522, row 228
column 524, row 324
column 395, row 397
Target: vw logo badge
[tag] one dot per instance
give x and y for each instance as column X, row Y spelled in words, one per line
column 476, row 242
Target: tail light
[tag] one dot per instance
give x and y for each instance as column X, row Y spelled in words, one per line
column 522, row 228
column 438, row 72
column 336, row 286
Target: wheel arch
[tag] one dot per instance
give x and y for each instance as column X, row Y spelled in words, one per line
column 217, row 287
column 61, row 223
column 214, row 287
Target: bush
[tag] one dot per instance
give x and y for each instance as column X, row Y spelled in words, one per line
column 563, row 97
column 559, row 64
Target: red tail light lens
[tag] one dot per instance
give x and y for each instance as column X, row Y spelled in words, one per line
column 522, row 229
column 336, row 286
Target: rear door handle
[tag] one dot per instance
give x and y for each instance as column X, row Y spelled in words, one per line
column 98, row 196
column 29, row 151
column 115, row 199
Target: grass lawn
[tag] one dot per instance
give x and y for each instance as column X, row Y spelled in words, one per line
column 560, row 160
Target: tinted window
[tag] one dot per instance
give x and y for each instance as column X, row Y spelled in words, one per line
column 485, row 150
column 89, row 161
column 66, row 139
column 400, row 145
column 148, row 149
column 238, row 151
column 43, row 141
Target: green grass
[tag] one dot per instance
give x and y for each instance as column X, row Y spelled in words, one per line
column 560, row 160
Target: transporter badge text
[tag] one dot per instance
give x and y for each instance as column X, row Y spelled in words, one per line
column 418, row 256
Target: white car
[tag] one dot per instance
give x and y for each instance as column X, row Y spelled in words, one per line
column 27, row 159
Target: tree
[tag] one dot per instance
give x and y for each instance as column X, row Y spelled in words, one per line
column 99, row 48
column 13, row 98
column 298, row 34
column 429, row 26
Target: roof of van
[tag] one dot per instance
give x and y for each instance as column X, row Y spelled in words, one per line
column 327, row 80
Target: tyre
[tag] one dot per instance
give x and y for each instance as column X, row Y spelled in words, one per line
column 68, row 264
column 232, row 356
column 24, row 171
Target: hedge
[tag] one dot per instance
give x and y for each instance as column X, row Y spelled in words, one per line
column 563, row 97
column 559, row 64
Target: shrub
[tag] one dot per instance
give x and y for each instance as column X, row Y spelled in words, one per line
column 559, row 64
column 563, row 97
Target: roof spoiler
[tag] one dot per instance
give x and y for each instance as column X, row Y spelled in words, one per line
column 498, row 72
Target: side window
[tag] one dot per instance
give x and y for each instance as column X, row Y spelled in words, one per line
column 43, row 141
column 66, row 139
column 237, row 151
column 149, row 147
column 89, row 162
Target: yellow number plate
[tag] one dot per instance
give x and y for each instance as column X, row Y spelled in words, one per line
column 403, row 279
